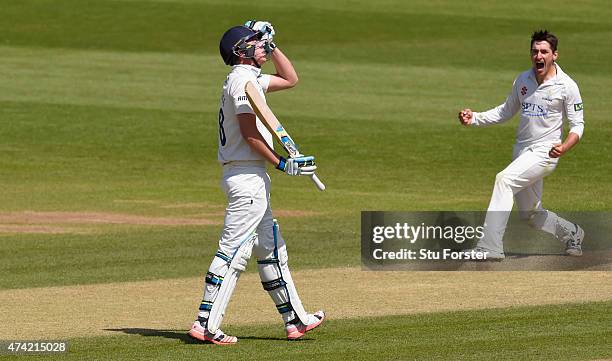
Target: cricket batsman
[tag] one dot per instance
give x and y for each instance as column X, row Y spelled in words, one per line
column 545, row 96
column 245, row 145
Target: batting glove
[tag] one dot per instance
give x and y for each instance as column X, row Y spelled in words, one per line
column 263, row 27
column 269, row 47
column 297, row 166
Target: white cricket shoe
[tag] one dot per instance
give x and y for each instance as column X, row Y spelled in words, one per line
column 573, row 242
column 483, row 254
column 297, row 329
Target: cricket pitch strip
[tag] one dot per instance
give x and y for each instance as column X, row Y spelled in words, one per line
column 98, row 309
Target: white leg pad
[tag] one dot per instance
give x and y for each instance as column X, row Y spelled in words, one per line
column 294, row 298
column 236, row 267
column 276, row 279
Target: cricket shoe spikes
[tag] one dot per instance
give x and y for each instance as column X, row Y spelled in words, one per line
column 296, row 329
column 199, row 332
column 573, row 245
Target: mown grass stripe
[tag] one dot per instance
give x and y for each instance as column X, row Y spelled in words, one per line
column 552, row 332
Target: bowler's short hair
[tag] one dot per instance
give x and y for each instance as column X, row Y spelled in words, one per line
column 544, row 35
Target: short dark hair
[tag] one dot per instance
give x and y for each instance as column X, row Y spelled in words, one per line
column 544, row 35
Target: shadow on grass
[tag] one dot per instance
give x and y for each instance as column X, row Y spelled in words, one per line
column 148, row 332
column 184, row 337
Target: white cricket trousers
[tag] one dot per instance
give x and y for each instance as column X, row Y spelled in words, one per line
column 521, row 180
column 247, row 187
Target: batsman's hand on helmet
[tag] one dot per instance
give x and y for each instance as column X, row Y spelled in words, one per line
column 303, row 165
column 263, row 27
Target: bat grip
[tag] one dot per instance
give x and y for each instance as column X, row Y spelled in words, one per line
column 317, row 182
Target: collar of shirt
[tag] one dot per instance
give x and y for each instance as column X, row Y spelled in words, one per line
column 254, row 69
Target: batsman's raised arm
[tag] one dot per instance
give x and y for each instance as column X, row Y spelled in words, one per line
column 286, row 76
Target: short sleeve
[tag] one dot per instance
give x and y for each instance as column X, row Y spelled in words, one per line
column 239, row 98
column 264, row 81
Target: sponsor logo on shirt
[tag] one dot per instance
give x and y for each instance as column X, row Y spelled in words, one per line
column 578, row 107
column 523, row 90
column 534, row 110
column 242, row 98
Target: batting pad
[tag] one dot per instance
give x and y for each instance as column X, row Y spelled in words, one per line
column 236, row 267
column 276, row 279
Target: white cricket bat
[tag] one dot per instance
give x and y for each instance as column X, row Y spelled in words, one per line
column 268, row 118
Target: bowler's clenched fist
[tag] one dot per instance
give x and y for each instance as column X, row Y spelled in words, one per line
column 557, row 150
column 465, row 116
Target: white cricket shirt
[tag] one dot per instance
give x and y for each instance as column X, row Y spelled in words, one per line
column 232, row 146
column 542, row 108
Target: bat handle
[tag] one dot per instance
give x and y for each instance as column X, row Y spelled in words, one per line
column 317, row 182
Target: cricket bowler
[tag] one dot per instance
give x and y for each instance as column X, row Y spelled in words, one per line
column 245, row 146
column 545, row 96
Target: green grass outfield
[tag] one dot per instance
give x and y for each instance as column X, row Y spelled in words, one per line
column 111, row 106
column 527, row 333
